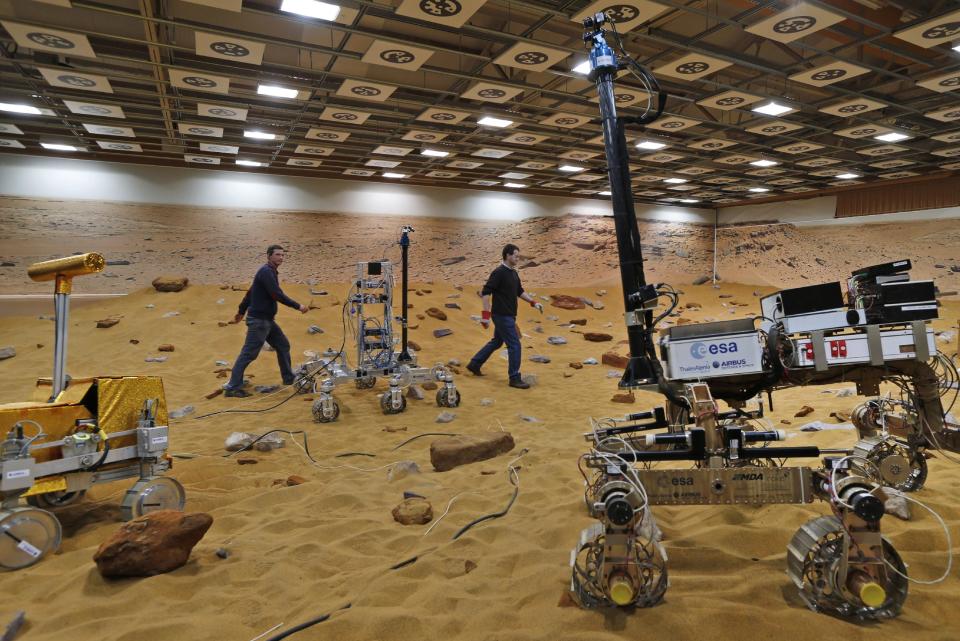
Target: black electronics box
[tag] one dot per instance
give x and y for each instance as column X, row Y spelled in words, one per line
column 904, row 312
column 915, row 291
column 885, row 269
column 374, row 269
column 810, row 299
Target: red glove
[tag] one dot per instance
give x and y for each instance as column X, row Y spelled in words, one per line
column 485, row 319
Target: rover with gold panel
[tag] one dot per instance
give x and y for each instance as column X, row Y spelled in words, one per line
column 75, row 433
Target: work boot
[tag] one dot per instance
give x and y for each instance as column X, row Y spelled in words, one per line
column 474, row 369
column 519, row 383
column 236, row 393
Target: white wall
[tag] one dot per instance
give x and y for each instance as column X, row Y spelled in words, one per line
column 66, row 178
column 820, row 211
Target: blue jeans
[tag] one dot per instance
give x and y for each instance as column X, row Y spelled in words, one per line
column 504, row 331
column 260, row 331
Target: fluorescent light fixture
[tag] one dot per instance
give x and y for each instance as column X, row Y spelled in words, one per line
column 848, row 176
column 251, row 163
column 515, row 185
column 893, row 136
column 55, row 147
column 434, row 152
column 490, row 121
column 311, row 9
column 650, row 144
column 759, row 190
column 572, row 168
column 675, row 181
column 277, row 92
column 19, row 109
column 392, row 174
column 262, row 135
column 604, row 193
column 583, row 67
column 764, row 163
column 772, row 108
column 689, row 200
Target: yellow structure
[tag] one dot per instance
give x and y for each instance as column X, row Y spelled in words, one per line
column 74, row 434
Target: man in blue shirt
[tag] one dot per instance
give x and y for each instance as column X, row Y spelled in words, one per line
column 499, row 295
column 260, row 306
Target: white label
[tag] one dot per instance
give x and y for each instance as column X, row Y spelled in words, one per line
column 604, row 61
column 157, row 440
column 17, row 474
column 913, row 308
column 29, row 549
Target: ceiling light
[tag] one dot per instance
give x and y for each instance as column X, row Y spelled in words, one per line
column 604, row 193
column 515, row 185
column 391, row 174
column 689, row 200
column 893, row 136
column 583, row 67
column 251, row 163
column 675, row 181
column 764, row 163
column 572, row 168
column 772, row 108
column 759, row 189
column 650, row 144
column 956, row 47
column 19, row 109
column 490, row 121
column 55, row 147
column 311, row 9
column 262, row 135
column 277, row 92
column 434, row 152
column 848, row 176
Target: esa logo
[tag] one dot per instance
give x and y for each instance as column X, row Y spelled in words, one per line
column 700, row 350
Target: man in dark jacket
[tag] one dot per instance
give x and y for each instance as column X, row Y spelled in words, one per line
column 500, row 296
column 260, row 306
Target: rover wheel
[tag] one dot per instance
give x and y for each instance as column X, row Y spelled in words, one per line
column 26, row 536
column 445, row 399
column 318, row 415
column 152, row 495
column 53, row 500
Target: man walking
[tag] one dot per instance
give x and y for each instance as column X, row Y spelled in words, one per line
column 260, row 306
column 500, row 296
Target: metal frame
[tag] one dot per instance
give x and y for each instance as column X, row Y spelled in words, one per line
column 135, row 47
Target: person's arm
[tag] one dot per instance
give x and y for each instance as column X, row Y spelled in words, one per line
column 486, row 297
column 242, row 309
column 272, row 286
column 533, row 302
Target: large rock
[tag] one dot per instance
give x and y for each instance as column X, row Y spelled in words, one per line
column 615, row 360
column 152, row 544
column 567, row 302
column 413, row 511
column 453, row 451
column 7, row 352
column 597, row 337
column 453, row 260
column 104, row 323
column 439, row 314
column 169, row 283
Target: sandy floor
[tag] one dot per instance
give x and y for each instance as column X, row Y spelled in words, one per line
column 298, row 552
